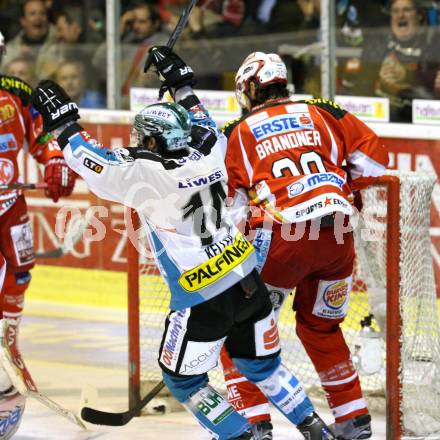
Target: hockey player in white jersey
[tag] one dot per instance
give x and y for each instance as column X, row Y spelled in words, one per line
column 174, row 176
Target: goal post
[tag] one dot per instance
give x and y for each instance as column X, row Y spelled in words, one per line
column 393, row 322
column 393, row 280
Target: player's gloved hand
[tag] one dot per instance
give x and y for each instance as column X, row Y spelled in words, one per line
column 54, row 104
column 172, row 70
column 202, row 138
column 59, row 177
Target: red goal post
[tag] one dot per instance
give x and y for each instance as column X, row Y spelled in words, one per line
column 393, row 280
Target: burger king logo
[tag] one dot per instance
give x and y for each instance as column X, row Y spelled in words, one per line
column 336, row 294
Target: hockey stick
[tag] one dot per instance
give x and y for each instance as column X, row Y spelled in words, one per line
column 118, row 419
column 18, row 185
column 12, row 361
column 73, row 234
column 183, row 19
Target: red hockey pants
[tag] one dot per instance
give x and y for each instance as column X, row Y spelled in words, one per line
column 320, row 270
column 16, row 246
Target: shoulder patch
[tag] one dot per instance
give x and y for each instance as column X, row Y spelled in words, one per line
column 230, row 125
column 334, row 109
column 17, row 87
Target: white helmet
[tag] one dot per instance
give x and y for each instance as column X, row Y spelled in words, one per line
column 263, row 68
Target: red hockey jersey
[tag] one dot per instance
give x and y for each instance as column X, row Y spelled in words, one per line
column 302, row 160
column 20, row 125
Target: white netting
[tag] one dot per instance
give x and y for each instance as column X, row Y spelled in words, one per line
column 420, row 339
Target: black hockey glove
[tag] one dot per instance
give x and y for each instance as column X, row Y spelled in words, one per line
column 54, row 104
column 172, row 70
column 202, row 139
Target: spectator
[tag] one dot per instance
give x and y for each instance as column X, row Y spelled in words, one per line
column 142, row 29
column 73, row 42
column 35, row 31
column 71, row 75
column 146, row 31
column 403, row 66
column 288, row 15
column 354, row 17
column 217, row 18
column 23, row 68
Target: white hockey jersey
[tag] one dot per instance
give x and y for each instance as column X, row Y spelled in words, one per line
column 181, row 203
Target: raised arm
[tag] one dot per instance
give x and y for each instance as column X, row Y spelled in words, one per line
column 110, row 174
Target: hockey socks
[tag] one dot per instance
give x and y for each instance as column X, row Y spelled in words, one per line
column 216, row 414
column 213, row 412
column 280, row 386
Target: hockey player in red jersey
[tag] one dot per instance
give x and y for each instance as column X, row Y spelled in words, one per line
column 299, row 163
column 21, row 125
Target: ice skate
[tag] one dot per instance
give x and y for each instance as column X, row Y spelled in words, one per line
column 265, row 430
column 354, row 429
column 260, row 431
column 314, row 428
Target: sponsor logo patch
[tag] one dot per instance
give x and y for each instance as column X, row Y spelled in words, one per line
column 327, row 178
column 92, row 165
column 200, row 357
column 332, row 298
column 336, row 294
column 282, row 124
column 295, row 189
column 267, row 340
column 8, row 142
column 201, row 180
column 6, row 171
column 317, row 180
column 276, row 298
column 211, row 405
column 173, row 340
column 271, row 338
column 215, row 268
column 7, row 112
column 23, row 243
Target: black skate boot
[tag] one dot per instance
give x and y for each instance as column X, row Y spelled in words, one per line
column 265, row 430
column 260, row 431
column 314, row 428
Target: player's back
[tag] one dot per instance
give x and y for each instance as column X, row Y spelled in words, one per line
column 289, row 156
column 197, row 247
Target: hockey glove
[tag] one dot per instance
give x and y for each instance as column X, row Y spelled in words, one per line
column 172, row 70
column 54, row 104
column 59, row 177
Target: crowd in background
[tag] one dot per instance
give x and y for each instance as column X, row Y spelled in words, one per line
column 385, row 47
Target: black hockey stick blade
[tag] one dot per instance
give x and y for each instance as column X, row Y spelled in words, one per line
column 118, row 419
column 183, row 19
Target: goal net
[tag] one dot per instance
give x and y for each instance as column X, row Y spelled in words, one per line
column 393, row 280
